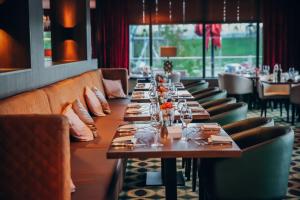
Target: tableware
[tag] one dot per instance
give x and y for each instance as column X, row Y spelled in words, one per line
column 186, row 117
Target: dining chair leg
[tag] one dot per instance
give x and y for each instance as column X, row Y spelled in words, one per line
column 293, row 114
column 265, row 108
column 262, row 108
column 194, row 174
column 280, row 104
column 287, row 107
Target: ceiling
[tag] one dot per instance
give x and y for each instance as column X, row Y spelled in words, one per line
column 46, row 4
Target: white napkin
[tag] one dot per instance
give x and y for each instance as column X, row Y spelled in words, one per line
column 134, row 105
column 217, row 139
column 174, row 132
column 133, row 111
column 123, row 139
column 138, row 96
column 197, row 109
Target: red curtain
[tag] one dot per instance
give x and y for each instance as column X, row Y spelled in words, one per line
column 112, row 39
column 281, row 33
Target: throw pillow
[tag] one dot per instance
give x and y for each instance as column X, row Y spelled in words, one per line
column 84, row 115
column 93, row 103
column 113, row 89
column 102, row 99
column 78, row 129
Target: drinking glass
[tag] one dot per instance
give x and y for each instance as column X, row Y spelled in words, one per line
column 153, row 95
column 157, row 124
column 180, row 104
column 186, row 117
column 292, row 73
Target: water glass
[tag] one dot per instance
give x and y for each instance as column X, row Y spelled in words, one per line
column 186, row 117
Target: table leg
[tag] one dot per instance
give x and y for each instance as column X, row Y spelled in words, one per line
column 170, row 178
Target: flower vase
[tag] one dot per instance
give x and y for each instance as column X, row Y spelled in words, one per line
column 168, row 116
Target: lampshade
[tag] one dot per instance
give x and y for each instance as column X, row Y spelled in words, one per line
column 168, row 51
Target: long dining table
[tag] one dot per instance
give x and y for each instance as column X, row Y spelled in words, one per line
column 195, row 147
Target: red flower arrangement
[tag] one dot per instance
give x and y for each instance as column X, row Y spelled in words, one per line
column 166, row 105
column 162, row 89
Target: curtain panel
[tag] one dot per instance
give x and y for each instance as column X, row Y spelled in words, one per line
column 281, row 33
column 112, row 34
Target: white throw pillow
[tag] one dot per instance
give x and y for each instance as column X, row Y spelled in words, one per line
column 102, row 99
column 93, row 103
column 85, row 116
column 113, row 89
column 78, row 128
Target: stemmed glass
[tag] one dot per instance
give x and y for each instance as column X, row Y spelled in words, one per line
column 186, row 117
column 156, row 123
column 292, row 73
column 152, row 95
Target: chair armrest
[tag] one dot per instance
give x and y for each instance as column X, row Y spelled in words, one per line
column 35, row 157
column 117, row 74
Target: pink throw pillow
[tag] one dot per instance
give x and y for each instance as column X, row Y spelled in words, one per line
column 113, row 89
column 85, row 116
column 102, row 99
column 79, row 130
column 93, row 103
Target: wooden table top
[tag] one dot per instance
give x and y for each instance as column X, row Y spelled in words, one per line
column 144, row 115
column 145, row 96
column 173, row 148
column 146, row 86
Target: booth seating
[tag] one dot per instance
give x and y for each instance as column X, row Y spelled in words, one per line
column 260, row 173
column 218, row 102
column 210, row 96
column 240, row 127
column 198, row 87
column 94, row 176
column 295, row 101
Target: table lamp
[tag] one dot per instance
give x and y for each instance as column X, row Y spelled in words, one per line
column 168, row 51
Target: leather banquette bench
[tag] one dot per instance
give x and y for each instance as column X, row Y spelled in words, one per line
column 35, row 149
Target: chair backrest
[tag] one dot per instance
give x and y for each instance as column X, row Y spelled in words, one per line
column 35, row 157
column 263, row 167
column 295, row 94
column 218, row 102
column 200, row 92
column 229, row 113
column 265, row 89
column 248, row 124
column 235, row 84
column 200, row 86
column 212, row 96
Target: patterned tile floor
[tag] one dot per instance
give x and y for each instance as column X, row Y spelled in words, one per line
column 134, row 188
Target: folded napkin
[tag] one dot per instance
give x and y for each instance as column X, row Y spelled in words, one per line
column 134, row 105
column 123, row 139
column 192, row 103
column 138, row 93
column 140, row 85
column 127, row 128
column 184, row 95
column 174, row 132
column 217, row 139
column 197, row 109
column 133, row 111
column 138, row 96
column 210, row 129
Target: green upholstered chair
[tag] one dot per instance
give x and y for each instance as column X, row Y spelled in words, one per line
column 210, row 96
column 260, row 173
column 192, row 83
column 229, row 113
column 240, row 127
column 200, row 86
column 218, row 102
column 195, row 94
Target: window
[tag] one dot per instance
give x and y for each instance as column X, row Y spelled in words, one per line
column 231, row 46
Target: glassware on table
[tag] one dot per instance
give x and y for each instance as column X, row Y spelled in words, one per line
column 157, row 124
column 186, row 117
column 291, row 73
column 153, row 95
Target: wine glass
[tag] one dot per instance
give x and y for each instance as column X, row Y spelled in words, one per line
column 292, row 73
column 157, row 124
column 186, row 117
column 152, row 95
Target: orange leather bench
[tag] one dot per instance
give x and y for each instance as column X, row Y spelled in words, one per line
column 94, row 176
